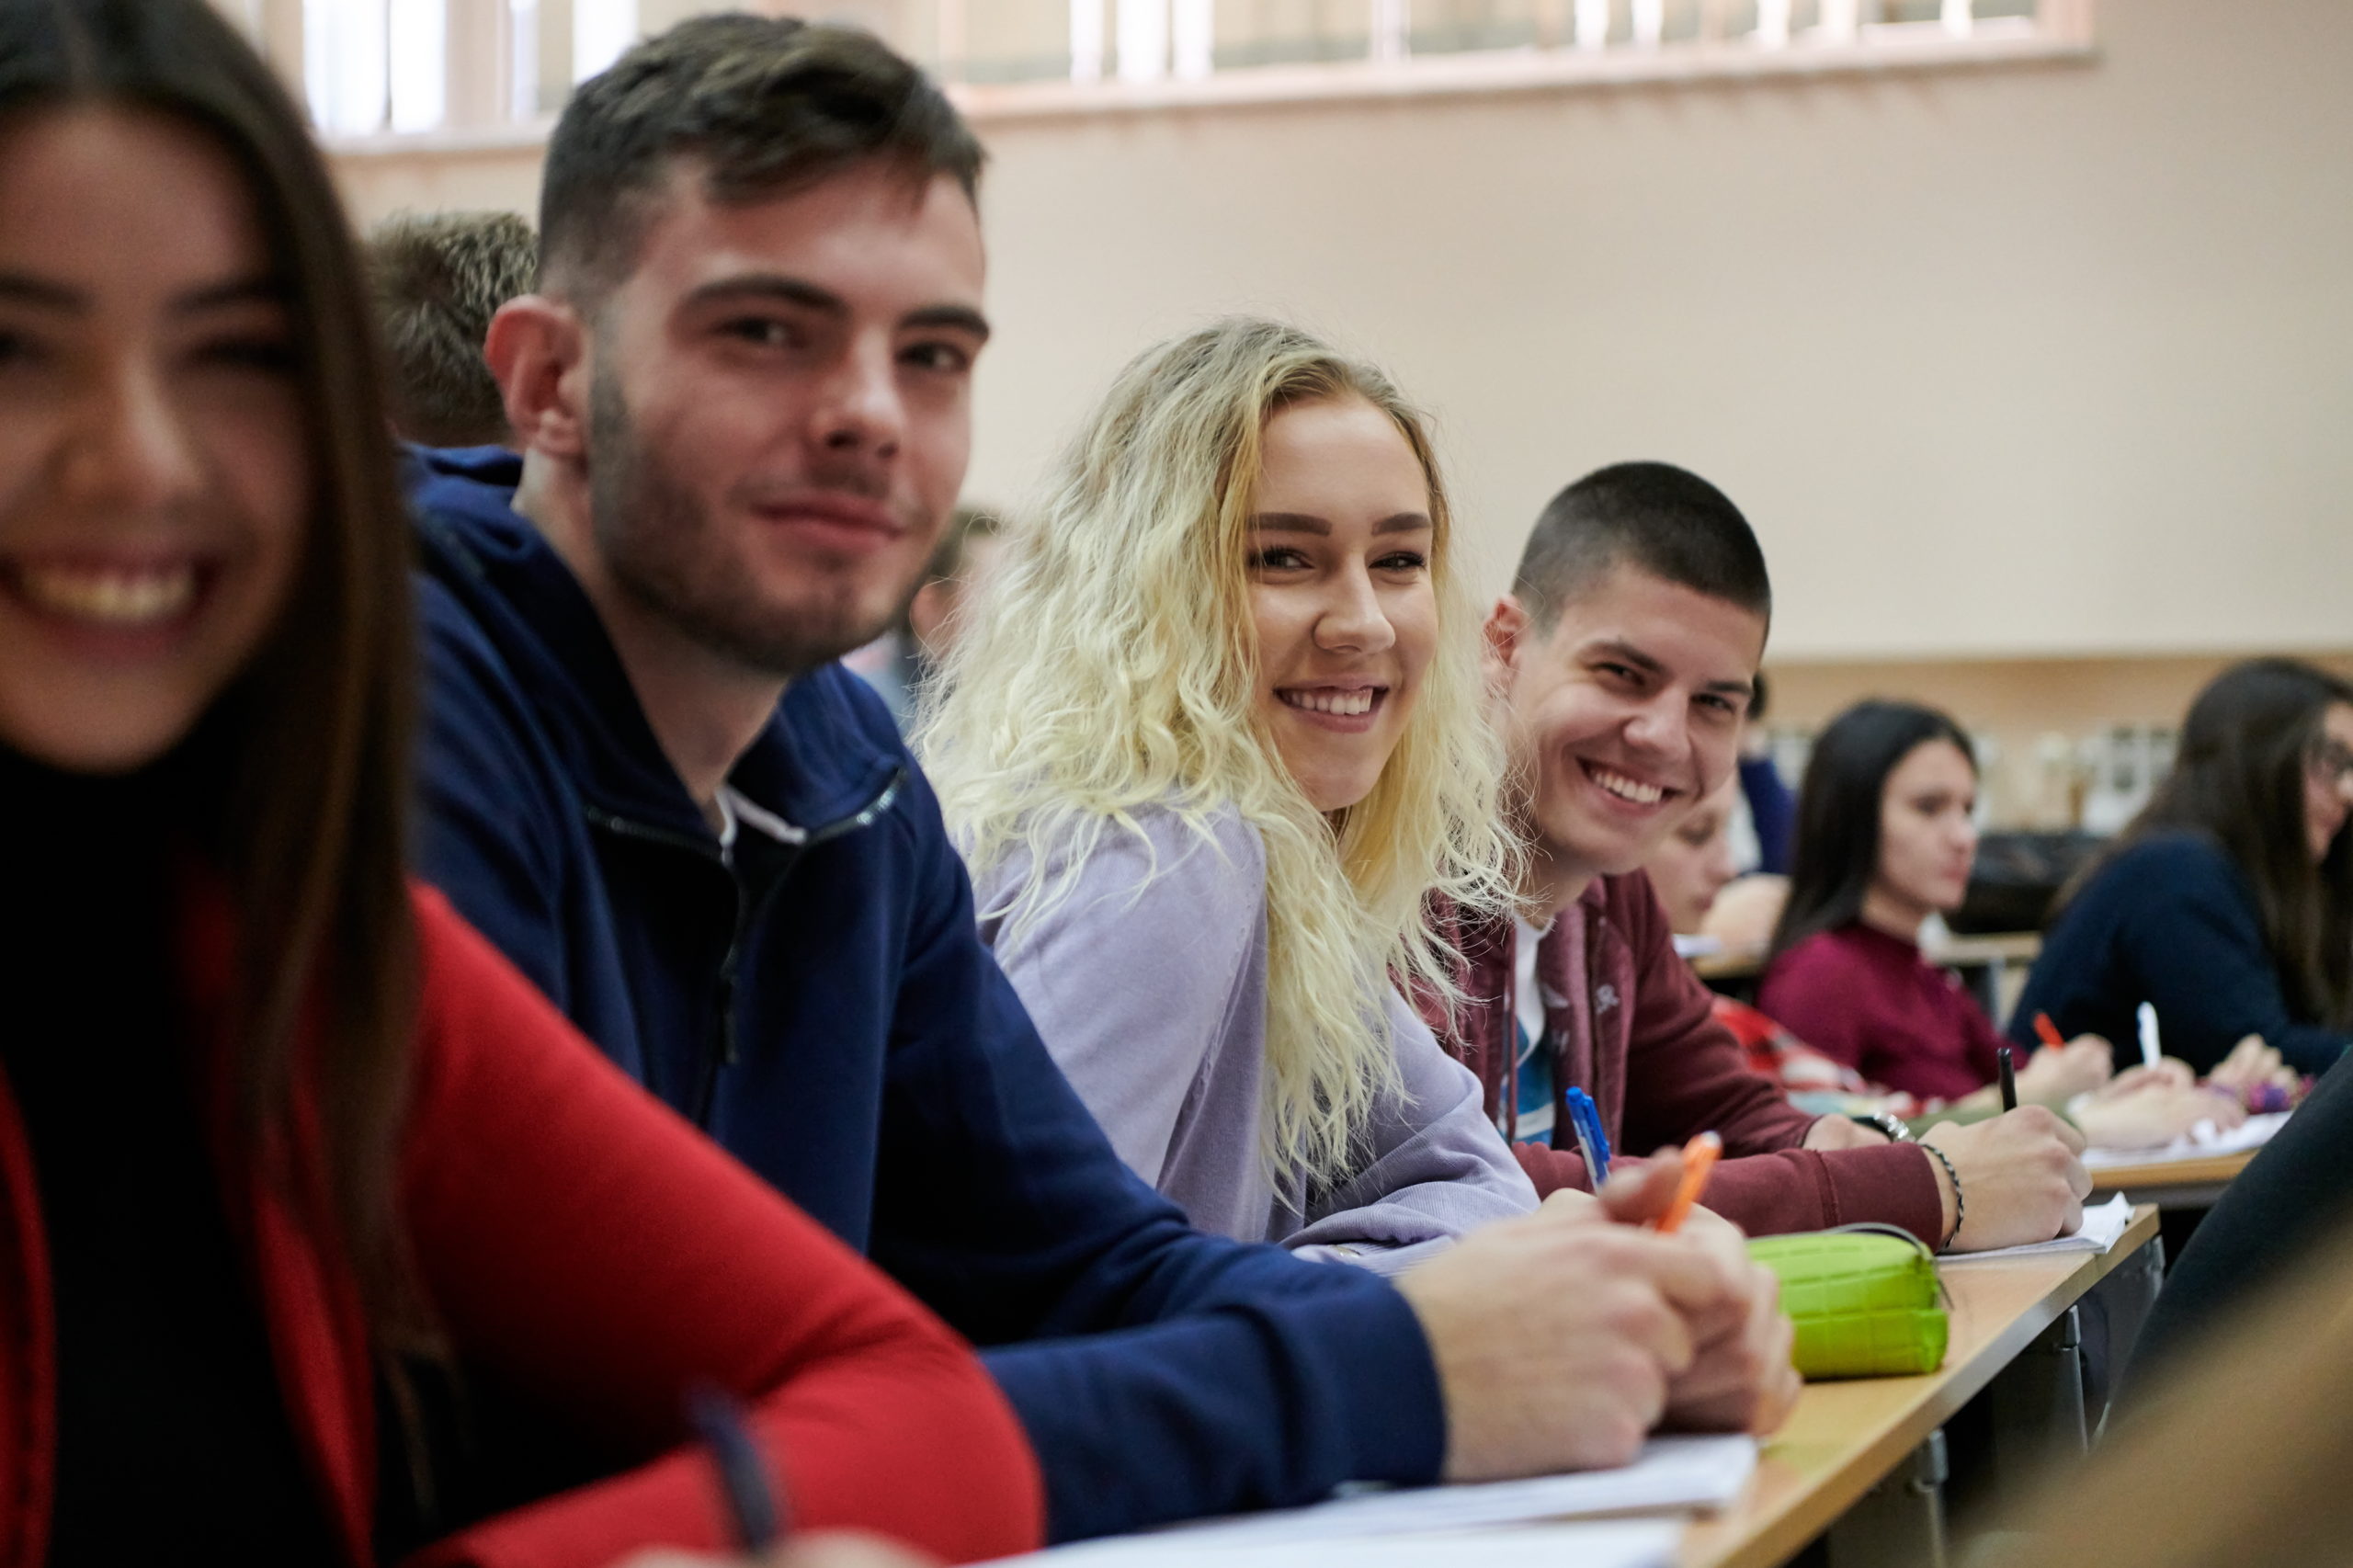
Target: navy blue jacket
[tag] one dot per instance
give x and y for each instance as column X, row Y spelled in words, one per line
column 2172, row 922
column 828, row 1012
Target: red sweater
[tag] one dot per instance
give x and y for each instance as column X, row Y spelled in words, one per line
column 589, row 1246
column 1632, row 1025
column 1869, row 1000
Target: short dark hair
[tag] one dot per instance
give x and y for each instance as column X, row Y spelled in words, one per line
column 1666, row 520
column 1836, row 852
column 767, row 106
column 439, row 277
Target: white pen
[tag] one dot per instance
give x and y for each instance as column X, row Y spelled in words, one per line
column 2149, row 1052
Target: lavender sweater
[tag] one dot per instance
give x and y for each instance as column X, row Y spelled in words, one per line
column 1148, row 983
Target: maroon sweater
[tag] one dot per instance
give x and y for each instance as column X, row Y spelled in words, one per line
column 1871, row 1001
column 1631, row 1024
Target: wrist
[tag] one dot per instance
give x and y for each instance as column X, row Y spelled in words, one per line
column 1954, row 1206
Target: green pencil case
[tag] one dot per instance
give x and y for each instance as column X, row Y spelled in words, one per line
column 1865, row 1301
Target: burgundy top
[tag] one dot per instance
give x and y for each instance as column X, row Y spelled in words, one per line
column 1630, row 1023
column 1872, row 1002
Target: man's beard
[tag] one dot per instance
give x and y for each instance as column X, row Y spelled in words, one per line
column 662, row 548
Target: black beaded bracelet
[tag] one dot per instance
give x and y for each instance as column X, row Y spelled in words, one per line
column 1960, row 1204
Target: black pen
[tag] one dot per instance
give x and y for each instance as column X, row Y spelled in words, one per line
column 718, row 1420
column 2009, row 1079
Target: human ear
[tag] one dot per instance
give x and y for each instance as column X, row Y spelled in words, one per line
column 537, row 352
column 1506, row 626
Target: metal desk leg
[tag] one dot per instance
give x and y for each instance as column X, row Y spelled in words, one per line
column 1899, row 1523
column 2037, row 1403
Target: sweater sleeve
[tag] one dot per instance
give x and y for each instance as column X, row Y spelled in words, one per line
column 602, row 1258
column 1439, row 1168
column 2196, row 946
column 1130, row 975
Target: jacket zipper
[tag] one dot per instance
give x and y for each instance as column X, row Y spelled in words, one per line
column 726, row 1049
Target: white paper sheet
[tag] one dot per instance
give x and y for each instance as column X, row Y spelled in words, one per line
column 1603, row 1543
column 2202, row 1143
column 2103, row 1224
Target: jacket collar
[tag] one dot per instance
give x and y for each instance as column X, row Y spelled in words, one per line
column 816, row 764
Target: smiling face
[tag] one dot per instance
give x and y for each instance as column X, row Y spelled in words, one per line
column 1340, row 593
column 1693, row 862
column 154, row 478
column 1927, row 835
column 780, row 411
column 1621, row 718
column 2328, row 780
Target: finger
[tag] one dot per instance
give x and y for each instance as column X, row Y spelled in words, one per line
column 2069, row 1134
column 1642, row 1195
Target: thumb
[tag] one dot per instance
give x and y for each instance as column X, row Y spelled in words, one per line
column 1639, row 1195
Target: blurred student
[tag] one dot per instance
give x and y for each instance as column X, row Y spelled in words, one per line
column 898, row 664
column 2227, row 904
column 1886, row 836
column 2137, row 1108
column 282, row 1142
column 1622, row 658
column 438, row 278
column 1772, row 810
column 745, row 397
column 1219, row 736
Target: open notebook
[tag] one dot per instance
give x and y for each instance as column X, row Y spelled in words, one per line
column 2104, row 1225
column 1672, row 1475
column 2202, row 1142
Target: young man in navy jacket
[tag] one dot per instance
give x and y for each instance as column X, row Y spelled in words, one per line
column 742, row 396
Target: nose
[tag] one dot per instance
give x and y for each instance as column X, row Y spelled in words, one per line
column 1352, row 620
column 860, row 412
column 131, row 450
column 1656, row 727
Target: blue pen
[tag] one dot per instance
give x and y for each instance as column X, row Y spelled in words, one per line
column 1585, row 1120
column 752, row 1506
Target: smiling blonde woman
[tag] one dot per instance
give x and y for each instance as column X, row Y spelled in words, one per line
column 1211, row 742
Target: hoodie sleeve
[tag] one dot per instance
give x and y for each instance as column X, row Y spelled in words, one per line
column 1439, row 1168
column 604, row 1258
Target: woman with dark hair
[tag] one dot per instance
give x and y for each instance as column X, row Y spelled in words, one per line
column 1886, row 836
column 281, row 1140
column 2227, row 904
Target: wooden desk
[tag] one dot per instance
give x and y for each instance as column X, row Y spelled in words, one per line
column 1845, row 1438
column 2173, row 1184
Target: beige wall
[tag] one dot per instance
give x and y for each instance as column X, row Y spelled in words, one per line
column 2002, row 362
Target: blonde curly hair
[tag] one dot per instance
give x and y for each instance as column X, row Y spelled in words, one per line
column 1113, row 666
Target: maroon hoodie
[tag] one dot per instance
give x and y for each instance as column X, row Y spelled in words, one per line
column 1631, row 1024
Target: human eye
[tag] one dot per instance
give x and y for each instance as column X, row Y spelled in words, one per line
column 266, row 353
column 763, row 331
column 940, row 357
column 1278, row 558
column 19, row 349
column 1404, row 562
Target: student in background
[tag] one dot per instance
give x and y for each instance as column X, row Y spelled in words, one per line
column 2227, row 904
column 2139, row 1109
column 1218, row 736
column 1622, row 659
column 437, row 279
column 745, row 397
column 901, row 661
column 284, row 1145
column 1886, row 836
column 1772, row 810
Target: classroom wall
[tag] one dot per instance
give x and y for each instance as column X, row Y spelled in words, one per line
column 2005, row 362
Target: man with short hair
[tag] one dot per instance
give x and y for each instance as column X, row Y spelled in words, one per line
column 437, row 279
column 1625, row 657
column 742, row 394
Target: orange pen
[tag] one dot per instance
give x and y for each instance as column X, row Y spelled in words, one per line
column 2048, row 1032
column 1698, row 1159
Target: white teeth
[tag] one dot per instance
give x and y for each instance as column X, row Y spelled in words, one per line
column 1343, row 704
column 113, row 595
column 1627, row 788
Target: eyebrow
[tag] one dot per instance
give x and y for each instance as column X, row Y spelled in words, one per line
column 808, row 296
column 1302, row 523
column 1624, row 651
column 22, row 288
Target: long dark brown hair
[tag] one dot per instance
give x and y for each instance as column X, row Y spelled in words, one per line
column 1836, row 852
column 2251, row 737
column 307, row 752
